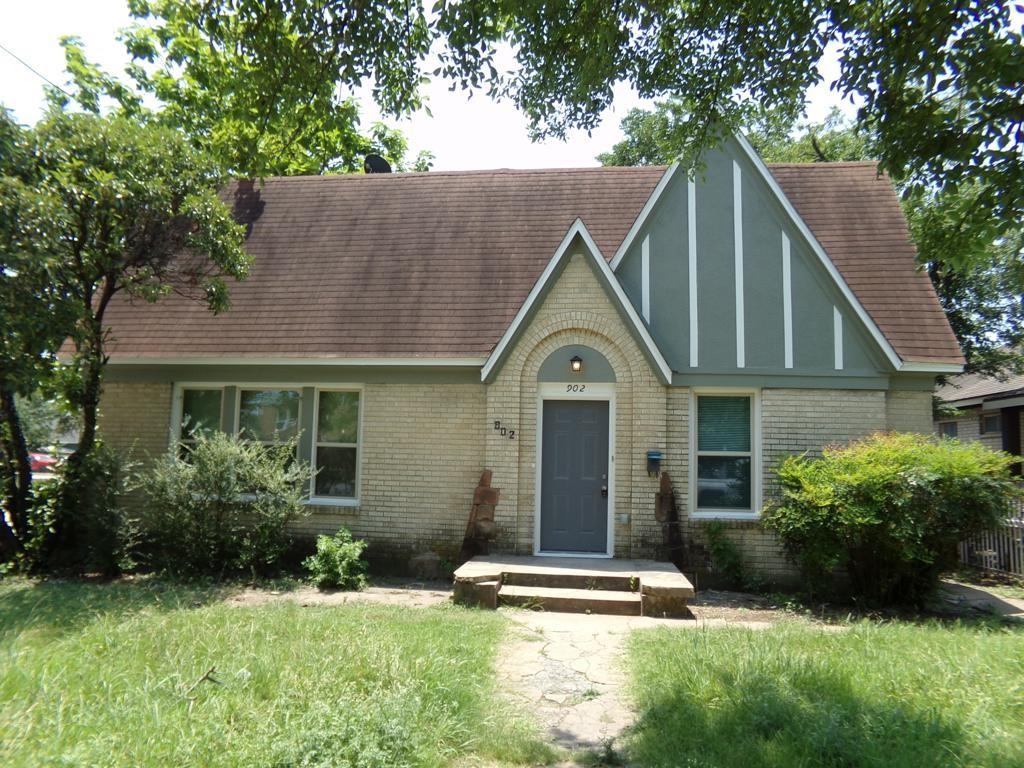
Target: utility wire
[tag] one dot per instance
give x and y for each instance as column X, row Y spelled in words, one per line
column 31, row 69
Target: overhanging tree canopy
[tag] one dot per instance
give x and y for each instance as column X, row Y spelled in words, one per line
column 941, row 84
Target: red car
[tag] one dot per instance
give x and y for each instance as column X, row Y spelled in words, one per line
column 42, row 462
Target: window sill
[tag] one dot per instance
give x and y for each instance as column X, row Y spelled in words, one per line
column 724, row 514
column 323, row 501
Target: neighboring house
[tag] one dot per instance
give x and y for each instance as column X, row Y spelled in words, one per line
column 416, row 329
column 988, row 410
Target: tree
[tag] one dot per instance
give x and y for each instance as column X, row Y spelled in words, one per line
column 261, row 86
column 35, row 316
column 121, row 207
column 976, row 264
column 137, row 213
column 651, row 137
column 43, row 420
column 940, row 85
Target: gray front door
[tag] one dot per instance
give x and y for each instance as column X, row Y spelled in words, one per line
column 574, row 477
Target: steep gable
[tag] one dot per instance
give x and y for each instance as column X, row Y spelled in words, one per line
column 579, row 245
column 731, row 278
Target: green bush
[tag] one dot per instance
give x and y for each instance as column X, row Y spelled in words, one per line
column 221, row 505
column 727, row 559
column 76, row 523
column 338, row 562
column 890, row 510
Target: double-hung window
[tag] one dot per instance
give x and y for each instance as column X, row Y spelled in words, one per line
column 200, row 414
column 948, row 429
column 336, row 444
column 269, row 416
column 725, row 475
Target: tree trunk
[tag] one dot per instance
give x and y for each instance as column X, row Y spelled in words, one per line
column 92, row 359
column 17, row 469
column 90, row 408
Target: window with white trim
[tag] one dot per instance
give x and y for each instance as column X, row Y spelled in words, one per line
column 336, row 444
column 268, row 416
column 725, row 456
column 201, row 410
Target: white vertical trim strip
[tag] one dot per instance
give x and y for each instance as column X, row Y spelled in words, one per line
column 645, row 280
column 837, row 336
column 691, row 237
column 787, row 301
column 737, row 229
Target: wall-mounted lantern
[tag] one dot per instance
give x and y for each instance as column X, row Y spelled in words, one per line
column 576, row 364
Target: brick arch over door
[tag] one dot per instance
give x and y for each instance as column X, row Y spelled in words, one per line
column 577, row 311
column 625, row 376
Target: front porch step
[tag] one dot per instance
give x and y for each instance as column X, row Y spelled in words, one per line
column 568, row 600
column 574, row 584
column 560, row 579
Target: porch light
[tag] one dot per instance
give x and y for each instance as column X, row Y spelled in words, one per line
column 576, row 364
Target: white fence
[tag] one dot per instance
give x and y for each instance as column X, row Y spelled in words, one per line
column 999, row 550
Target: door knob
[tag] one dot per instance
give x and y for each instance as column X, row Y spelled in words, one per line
column 604, row 491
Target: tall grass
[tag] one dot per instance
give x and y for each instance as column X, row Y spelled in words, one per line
column 876, row 695
column 98, row 675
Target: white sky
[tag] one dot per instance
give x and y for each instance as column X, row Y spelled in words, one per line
column 463, row 133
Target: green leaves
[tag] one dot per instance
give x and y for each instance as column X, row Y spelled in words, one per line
column 264, row 87
column 941, row 86
column 139, row 205
column 890, row 508
column 222, row 504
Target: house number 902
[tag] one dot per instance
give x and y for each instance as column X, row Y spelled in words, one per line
column 575, row 387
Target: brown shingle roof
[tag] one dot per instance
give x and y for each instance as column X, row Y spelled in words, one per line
column 437, row 264
column 972, row 386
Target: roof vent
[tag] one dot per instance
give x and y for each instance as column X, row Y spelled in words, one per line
column 376, row 164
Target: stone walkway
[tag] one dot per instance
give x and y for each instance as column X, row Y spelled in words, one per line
column 566, row 670
column 982, row 600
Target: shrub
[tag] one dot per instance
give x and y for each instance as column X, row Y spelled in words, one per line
column 890, row 510
column 221, row 505
column 727, row 559
column 76, row 522
column 338, row 562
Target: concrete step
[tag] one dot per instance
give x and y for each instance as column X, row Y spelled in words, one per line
column 559, row 579
column 600, row 601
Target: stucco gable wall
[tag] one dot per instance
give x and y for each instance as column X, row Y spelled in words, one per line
column 814, row 295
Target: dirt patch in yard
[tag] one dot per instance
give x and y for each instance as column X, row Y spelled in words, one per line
column 714, row 606
column 388, row 591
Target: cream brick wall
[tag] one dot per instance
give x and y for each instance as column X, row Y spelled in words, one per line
column 806, row 420
column 422, row 455
column 909, row 411
column 136, row 418
column 793, row 421
column 576, row 310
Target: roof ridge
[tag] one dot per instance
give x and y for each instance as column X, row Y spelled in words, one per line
column 828, row 164
column 471, row 172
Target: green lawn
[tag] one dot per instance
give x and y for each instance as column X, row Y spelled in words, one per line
column 875, row 695
column 99, row 675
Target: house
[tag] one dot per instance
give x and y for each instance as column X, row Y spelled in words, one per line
column 983, row 408
column 575, row 331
